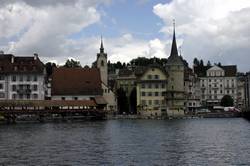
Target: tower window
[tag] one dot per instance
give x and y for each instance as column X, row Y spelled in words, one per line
column 102, row 63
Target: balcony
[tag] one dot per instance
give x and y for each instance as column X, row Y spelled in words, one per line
column 24, row 91
column 228, row 87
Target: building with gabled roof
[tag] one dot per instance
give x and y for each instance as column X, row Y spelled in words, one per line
column 21, row 78
column 75, row 83
column 151, row 88
column 215, row 82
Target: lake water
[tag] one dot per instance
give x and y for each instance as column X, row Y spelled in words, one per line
column 127, row 142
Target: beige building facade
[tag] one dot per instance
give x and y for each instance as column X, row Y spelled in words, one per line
column 151, row 89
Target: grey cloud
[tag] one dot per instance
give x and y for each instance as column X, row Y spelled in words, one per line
column 221, row 35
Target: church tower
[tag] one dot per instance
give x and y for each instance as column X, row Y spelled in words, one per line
column 102, row 64
column 175, row 88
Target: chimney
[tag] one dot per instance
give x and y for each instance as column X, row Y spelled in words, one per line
column 35, row 56
column 12, row 59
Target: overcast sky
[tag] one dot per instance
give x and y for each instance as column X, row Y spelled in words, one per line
column 215, row 30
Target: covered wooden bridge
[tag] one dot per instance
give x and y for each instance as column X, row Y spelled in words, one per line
column 44, row 109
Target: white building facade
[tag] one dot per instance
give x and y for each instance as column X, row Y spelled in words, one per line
column 218, row 82
column 192, row 91
column 21, row 78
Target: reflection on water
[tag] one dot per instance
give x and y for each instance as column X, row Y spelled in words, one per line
column 127, row 142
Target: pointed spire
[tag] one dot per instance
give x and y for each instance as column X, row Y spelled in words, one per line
column 101, row 48
column 174, row 51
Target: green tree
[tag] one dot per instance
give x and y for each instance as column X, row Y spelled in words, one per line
column 143, row 61
column 49, row 68
column 70, row 63
column 208, row 63
column 196, row 62
column 201, row 63
column 140, row 61
column 227, row 101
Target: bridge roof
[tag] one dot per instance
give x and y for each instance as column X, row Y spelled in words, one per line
column 47, row 103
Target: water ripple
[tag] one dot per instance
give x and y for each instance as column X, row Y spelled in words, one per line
column 127, row 142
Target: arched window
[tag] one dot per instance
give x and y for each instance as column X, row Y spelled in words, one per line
column 102, row 63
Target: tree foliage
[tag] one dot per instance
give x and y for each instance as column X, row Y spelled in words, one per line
column 49, row 68
column 227, row 101
column 201, row 63
column 209, row 63
column 113, row 66
column 70, row 63
column 143, row 61
column 196, row 62
column 140, row 61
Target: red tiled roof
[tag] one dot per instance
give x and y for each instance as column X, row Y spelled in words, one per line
column 20, row 64
column 76, row 81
